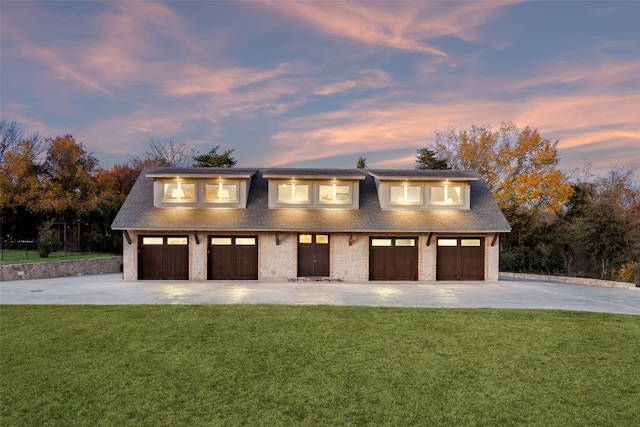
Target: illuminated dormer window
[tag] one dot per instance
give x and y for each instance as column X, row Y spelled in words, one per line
column 339, row 194
column 221, row 192
column 446, row 195
column 293, row 193
column 405, row 194
column 179, row 192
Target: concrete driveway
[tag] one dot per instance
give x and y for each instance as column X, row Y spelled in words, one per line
column 111, row 289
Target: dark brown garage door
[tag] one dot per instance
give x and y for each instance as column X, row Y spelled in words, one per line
column 393, row 258
column 460, row 258
column 163, row 257
column 313, row 255
column 233, row 258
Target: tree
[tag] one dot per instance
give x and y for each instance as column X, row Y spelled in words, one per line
column 602, row 232
column 362, row 163
column 426, row 159
column 519, row 167
column 214, row 160
column 71, row 189
column 169, row 152
column 11, row 134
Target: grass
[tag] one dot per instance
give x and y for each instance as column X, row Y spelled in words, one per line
column 283, row 365
column 19, row 256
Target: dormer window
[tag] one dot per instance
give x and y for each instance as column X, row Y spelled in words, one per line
column 221, row 192
column 405, row 194
column 293, row 193
column 179, row 192
column 424, row 190
column 446, row 194
column 214, row 188
column 339, row 194
column 314, row 188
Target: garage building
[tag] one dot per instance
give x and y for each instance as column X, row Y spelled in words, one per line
column 331, row 224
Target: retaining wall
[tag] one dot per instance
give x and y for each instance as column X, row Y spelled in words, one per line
column 567, row 279
column 47, row 270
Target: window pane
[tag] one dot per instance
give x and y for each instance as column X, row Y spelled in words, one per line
column 221, row 240
column 177, row 240
column 245, row 241
column 305, row 238
column 152, row 240
column 179, row 191
column 221, row 192
column 172, row 191
column 437, row 194
column 334, row 193
column 453, row 194
column 288, row 193
column 397, row 193
column 343, row 192
column 447, row 242
column 300, row 192
column 470, row 242
column 405, row 193
column 381, row 242
column 405, row 242
column 285, row 192
column 322, row 239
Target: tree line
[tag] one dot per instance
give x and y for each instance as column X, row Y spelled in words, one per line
column 54, row 194
column 52, row 190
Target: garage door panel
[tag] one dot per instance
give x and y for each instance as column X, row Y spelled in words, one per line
column 381, row 263
column 246, row 262
column 177, row 262
column 233, row 258
column 460, row 259
column 151, row 257
column 472, row 260
column 393, row 258
column 406, row 267
column 163, row 258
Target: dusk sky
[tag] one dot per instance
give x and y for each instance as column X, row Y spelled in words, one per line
column 320, row 84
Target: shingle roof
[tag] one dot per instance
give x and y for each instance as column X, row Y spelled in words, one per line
column 426, row 175
column 138, row 212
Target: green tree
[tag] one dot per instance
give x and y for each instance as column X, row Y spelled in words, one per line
column 427, row 159
column 213, row 159
column 602, row 232
column 362, row 163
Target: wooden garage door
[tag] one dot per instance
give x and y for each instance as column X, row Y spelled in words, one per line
column 460, row 258
column 163, row 257
column 233, row 258
column 393, row 258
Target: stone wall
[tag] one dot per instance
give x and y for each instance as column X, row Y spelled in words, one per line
column 567, row 279
column 47, row 270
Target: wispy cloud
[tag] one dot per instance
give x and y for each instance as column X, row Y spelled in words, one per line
column 408, row 26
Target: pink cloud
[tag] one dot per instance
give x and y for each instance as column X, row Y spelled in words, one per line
column 399, row 25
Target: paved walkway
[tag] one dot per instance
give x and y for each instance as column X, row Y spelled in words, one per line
column 111, row 289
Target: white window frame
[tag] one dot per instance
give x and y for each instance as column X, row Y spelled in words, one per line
column 179, row 192
column 405, row 187
column 234, row 195
column 448, row 187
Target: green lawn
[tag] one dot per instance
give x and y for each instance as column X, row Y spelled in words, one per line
column 307, row 365
column 17, row 256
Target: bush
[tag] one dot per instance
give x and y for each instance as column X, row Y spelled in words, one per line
column 45, row 248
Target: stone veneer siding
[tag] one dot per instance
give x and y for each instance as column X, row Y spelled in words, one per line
column 47, row 270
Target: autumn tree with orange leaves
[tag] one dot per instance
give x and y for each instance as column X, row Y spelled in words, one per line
column 520, row 168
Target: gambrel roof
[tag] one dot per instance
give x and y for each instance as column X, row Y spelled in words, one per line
column 139, row 213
